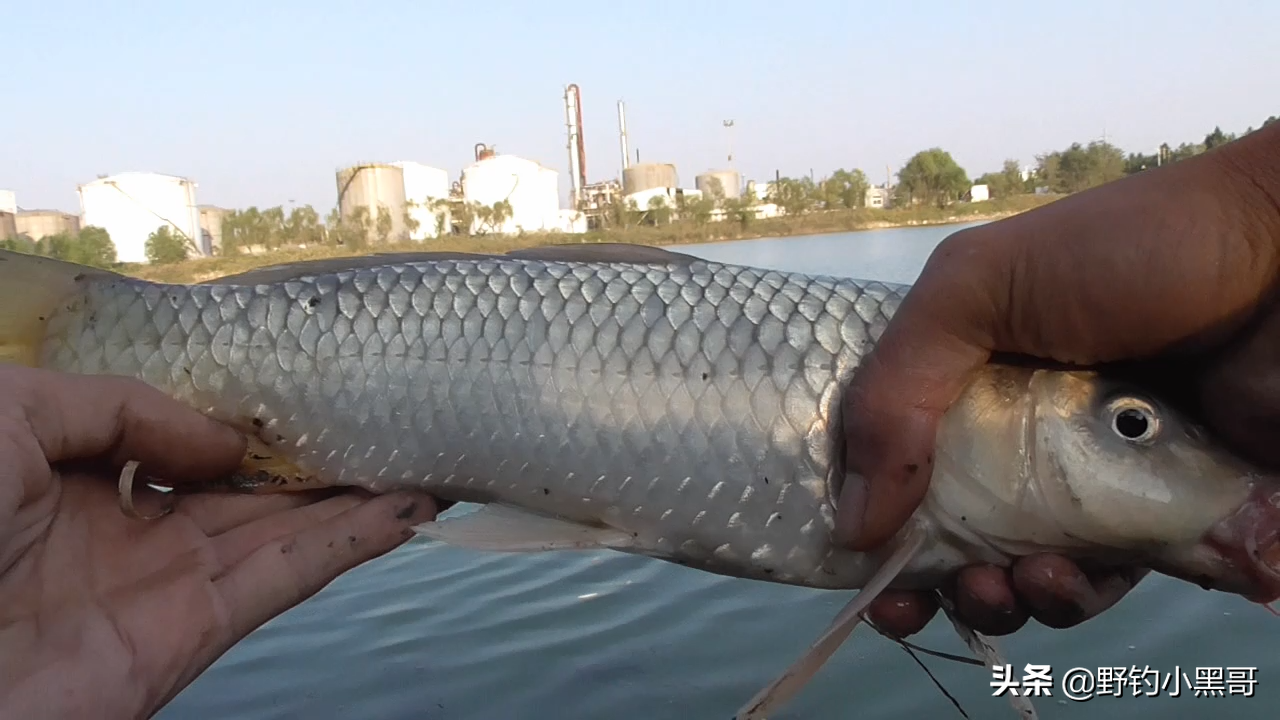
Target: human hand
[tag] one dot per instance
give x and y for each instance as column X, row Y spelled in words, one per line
column 106, row 616
column 1168, row 269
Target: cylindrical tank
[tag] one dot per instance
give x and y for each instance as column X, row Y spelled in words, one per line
column 374, row 186
column 8, row 225
column 646, row 176
column 8, row 202
column 132, row 205
column 211, row 218
column 729, row 181
column 38, row 224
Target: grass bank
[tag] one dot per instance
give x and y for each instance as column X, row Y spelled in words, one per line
column 679, row 233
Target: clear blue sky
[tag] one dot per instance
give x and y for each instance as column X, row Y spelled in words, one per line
column 260, row 102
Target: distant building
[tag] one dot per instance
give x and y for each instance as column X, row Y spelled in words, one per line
column 876, row 197
column 423, row 185
column 979, row 193
column 8, row 202
column 40, row 224
column 8, row 225
column 211, row 218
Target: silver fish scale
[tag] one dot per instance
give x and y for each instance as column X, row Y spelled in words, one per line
column 687, row 404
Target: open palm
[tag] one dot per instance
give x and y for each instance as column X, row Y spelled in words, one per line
column 107, row 616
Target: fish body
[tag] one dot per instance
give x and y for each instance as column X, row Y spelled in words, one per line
column 652, row 403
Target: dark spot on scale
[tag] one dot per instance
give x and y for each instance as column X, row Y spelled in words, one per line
column 279, row 438
column 330, row 546
column 964, row 518
column 186, row 370
column 766, row 481
column 546, row 491
column 912, row 468
column 351, row 540
column 313, row 302
column 768, row 571
column 828, row 571
column 407, row 511
column 704, row 376
column 41, row 318
column 257, row 422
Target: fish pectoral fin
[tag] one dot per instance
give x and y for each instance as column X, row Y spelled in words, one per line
column 502, row 528
column 802, row 670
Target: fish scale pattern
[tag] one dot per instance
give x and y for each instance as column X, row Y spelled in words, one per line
column 690, row 404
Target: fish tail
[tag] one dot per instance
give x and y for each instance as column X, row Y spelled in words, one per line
column 31, row 289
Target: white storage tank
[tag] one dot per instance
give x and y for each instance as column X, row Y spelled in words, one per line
column 531, row 188
column 373, row 186
column 422, row 184
column 132, row 205
column 730, row 182
column 8, row 202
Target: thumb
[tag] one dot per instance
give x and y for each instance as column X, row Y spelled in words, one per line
column 920, row 364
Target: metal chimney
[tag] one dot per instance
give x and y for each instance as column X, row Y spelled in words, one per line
column 622, row 134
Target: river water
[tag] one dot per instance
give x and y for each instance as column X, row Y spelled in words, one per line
column 436, row 632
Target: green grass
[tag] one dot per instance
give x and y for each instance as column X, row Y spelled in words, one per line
column 679, row 233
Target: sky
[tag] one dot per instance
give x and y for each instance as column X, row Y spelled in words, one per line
column 261, row 102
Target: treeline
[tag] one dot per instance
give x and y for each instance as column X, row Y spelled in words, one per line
column 90, row 246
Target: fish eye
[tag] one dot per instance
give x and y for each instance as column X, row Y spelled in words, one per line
column 1134, row 420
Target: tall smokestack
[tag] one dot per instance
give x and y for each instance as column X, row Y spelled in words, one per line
column 573, row 115
column 622, row 134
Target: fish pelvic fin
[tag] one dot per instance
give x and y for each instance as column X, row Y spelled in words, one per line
column 31, row 289
column 503, row 528
column 793, row 680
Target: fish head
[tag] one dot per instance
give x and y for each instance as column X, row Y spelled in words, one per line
column 1119, row 469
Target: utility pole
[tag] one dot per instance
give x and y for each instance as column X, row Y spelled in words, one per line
column 728, row 131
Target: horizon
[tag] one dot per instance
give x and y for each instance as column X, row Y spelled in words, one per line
column 271, row 101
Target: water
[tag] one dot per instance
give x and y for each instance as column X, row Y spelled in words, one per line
column 436, row 632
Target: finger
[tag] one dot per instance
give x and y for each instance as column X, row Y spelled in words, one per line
column 83, row 416
column 1060, row 595
column 985, row 600
column 892, row 407
column 288, row 570
column 233, row 546
column 902, row 613
column 217, row 513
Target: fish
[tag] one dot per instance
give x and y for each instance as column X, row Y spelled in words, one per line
column 650, row 402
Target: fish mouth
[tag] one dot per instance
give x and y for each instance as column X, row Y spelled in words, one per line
column 1246, row 546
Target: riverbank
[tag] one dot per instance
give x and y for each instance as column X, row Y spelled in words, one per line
column 680, row 233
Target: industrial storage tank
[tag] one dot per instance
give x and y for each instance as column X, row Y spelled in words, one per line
column 132, row 205
column 40, row 224
column 373, row 186
column 646, row 176
column 8, row 202
column 211, row 218
column 532, row 189
column 729, row 180
column 422, row 185
column 8, row 225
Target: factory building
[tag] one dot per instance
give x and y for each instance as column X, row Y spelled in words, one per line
column 530, row 188
column 374, row 187
column 130, row 206
column 40, row 224
column 8, row 225
column 423, row 185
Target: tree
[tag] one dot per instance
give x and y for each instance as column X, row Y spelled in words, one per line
column 1081, row 167
column 164, row 247
column 1005, row 183
column 793, row 196
column 658, row 211
column 845, row 189
column 696, row 207
column 932, row 176
column 1216, row 138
